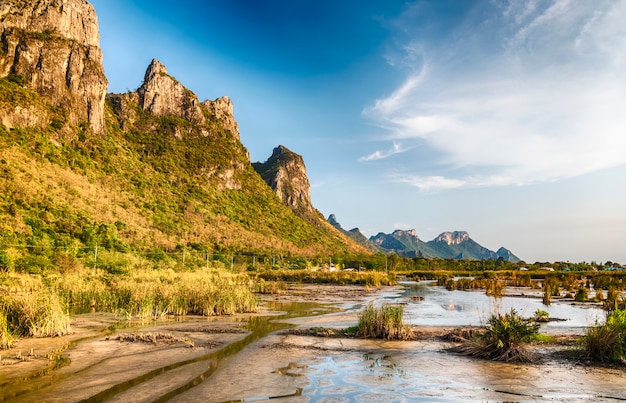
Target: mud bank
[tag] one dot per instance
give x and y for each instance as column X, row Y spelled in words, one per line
column 262, row 357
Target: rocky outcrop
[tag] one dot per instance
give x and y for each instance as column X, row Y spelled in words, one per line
column 285, row 173
column 52, row 47
column 222, row 109
column 162, row 95
column 452, row 238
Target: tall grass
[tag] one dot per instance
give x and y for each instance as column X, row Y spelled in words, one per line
column 503, row 338
column 39, row 305
column 29, row 308
column 384, row 322
column 607, row 342
column 145, row 293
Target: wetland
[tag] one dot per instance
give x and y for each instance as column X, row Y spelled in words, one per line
column 283, row 354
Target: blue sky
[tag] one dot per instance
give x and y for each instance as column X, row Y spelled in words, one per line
column 506, row 119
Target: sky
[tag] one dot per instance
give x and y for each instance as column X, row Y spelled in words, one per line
column 502, row 118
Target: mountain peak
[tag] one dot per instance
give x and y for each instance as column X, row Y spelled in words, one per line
column 332, row 220
column 285, row 173
column 155, row 67
column 453, row 238
column 401, row 232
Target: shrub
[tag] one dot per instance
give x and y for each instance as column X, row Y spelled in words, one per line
column 582, row 295
column 541, row 316
column 607, row 342
column 384, row 322
column 503, row 338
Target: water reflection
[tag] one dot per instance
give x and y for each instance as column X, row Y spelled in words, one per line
column 432, row 305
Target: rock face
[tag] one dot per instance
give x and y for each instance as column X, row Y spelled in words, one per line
column 53, row 48
column 161, row 95
column 222, row 109
column 285, row 173
column 453, row 238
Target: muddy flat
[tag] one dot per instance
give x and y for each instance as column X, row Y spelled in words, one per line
column 274, row 356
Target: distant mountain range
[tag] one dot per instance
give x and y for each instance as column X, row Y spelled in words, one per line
column 448, row 245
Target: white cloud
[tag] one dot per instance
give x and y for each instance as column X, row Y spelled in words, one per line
column 379, row 155
column 544, row 102
column 431, row 183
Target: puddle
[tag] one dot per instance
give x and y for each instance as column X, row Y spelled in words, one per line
column 431, row 305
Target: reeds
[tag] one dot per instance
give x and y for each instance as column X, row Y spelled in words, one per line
column 39, row 305
column 607, row 342
column 384, row 322
column 29, row 308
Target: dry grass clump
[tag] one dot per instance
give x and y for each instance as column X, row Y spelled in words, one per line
column 503, row 339
column 607, row 342
column 384, row 322
column 28, row 308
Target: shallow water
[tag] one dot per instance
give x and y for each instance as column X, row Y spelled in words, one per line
column 431, row 305
column 268, row 366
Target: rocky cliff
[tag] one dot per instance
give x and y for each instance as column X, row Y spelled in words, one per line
column 185, row 118
column 53, row 49
column 170, row 173
column 285, row 173
column 452, row 238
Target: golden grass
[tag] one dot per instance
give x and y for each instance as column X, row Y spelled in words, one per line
column 39, row 305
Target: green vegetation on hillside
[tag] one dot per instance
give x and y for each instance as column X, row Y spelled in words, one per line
column 161, row 183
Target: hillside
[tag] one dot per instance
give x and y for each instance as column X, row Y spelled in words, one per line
column 163, row 171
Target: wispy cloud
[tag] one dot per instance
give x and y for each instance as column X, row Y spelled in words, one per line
column 534, row 91
column 380, row 154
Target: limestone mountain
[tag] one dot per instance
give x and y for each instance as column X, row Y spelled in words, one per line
column 354, row 233
column 448, row 245
column 459, row 245
column 165, row 171
column 285, row 172
column 53, row 49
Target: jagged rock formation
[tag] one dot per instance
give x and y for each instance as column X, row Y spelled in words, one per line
column 53, row 48
column 222, row 109
column 162, row 95
column 285, row 173
column 355, row 234
column 453, row 238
